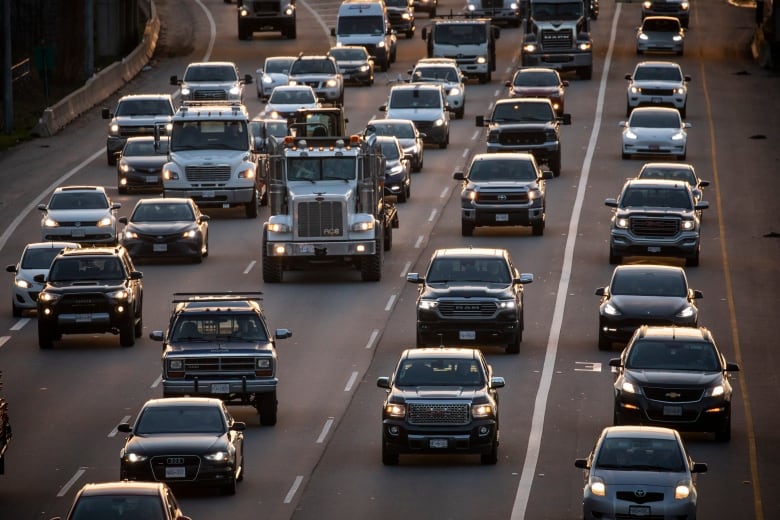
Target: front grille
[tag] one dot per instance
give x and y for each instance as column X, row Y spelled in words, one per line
column 647, row 91
column 78, row 223
column 207, row 173
column 673, row 395
column 160, row 239
column 493, row 4
column 83, row 303
column 502, row 197
column 462, row 59
column 551, row 40
column 654, row 227
column 320, row 219
column 209, row 95
column 226, row 367
column 452, row 413
column 191, row 464
column 468, row 308
column 132, row 131
column 521, row 138
column 630, row 496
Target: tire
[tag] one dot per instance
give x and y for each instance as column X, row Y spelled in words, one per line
column 446, row 141
column 402, row 195
column 111, row 158
column 681, row 157
column 418, row 340
column 127, row 333
column 693, row 261
column 387, row 243
column 490, row 458
column 121, row 189
column 684, row 111
column 243, row 32
column 267, row 407
column 624, row 155
column 723, row 434
column 45, row 337
column 205, row 252
column 466, row 228
column 613, row 258
column 16, row 311
column 389, row 457
column 229, row 489
column 371, row 266
column 409, row 190
column 537, row 228
column 484, row 78
column 292, row 32
column 628, row 110
column 272, row 269
column 138, row 327
column 513, row 347
column 555, row 163
column 604, row 342
column 250, row 208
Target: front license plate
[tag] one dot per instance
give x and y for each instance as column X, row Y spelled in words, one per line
column 151, row 179
column 437, row 443
column 653, row 249
column 220, row 388
column 467, row 335
column 208, row 195
column 655, row 100
column 654, row 147
column 78, row 233
column 83, row 318
column 159, row 248
column 673, row 410
column 639, row 510
column 174, row 472
column 502, row 217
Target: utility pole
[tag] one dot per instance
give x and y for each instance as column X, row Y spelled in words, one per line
column 89, row 36
column 8, row 89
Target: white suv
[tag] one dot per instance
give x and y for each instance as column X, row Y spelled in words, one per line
column 660, row 83
column 444, row 71
column 425, row 104
column 82, row 214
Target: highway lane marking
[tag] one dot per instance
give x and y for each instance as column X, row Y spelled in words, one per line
column 20, row 324
column 466, row 152
column 325, row 429
column 64, row 489
column 433, row 215
column 294, row 488
column 156, row 382
column 405, row 270
column 372, row 338
column 444, row 193
column 113, row 432
column 475, row 135
column 351, row 382
column 317, row 17
column 419, row 241
column 390, row 302
column 545, row 382
column 4, row 339
column 250, row 266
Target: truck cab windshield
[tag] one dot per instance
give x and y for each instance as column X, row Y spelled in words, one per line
column 321, row 169
column 209, row 135
column 550, row 12
column 460, row 34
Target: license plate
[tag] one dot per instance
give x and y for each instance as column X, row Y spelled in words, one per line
column 307, row 249
column 467, row 335
column 78, row 233
column 653, row 249
column 208, row 195
column 220, row 388
column 151, row 179
column 159, row 248
column 502, row 217
column 83, row 318
column 655, row 100
column 225, row 206
column 639, row 510
column 673, row 410
column 437, row 443
column 174, row 472
column 654, row 147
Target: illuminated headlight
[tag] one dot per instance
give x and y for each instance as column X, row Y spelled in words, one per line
column 688, row 225
column 534, row 194
column 682, row 491
column 679, row 136
column 647, row 4
column 275, row 115
column 687, row 312
column 278, row 227
column 438, row 122
column 405, row 16
column 628, row 388
column 480, row 411
column 583, row 46
column 168, row 128
column 217, row 456
column 643, row 36
column 121, row 294
column 175, row 364
column 363, row 224
column 677, row 38
column 135, row 457
column 470, row 7
column 105, row 222
column 470, row 195
column 22, row 284
column 556, row 106
column 395, row 410
column 716, row 391
column 621, row 223
column 264, row 364
column 289, row 10
column 381, row 44
column 611, row 310
column 113, row 129
column 455, row 91
column 50, row 222
column 427, row 305
column 48, row 297
column 131, row 234
column 481, row 59
column 684, row 6
column 331, row 83
column 636, row 90
column 364, row 68
column 169, row 175
column 679, row 90
column 514, row 5
column 185, row 91
column 243, row 11
column 597, row 487
column 234, row 91
column 191, row 233
column 507, row 304
column 292, row 82
column 125, row 168
column 529, row 47
column 267, row 79
column 628, row 134
column 249, row 173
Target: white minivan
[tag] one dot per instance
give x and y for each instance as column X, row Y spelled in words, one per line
column 366, row 23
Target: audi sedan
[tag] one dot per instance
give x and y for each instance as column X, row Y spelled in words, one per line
column 184, row 440
column 171, row 227
column 655, row 131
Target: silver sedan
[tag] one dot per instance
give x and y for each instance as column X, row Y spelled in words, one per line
column 655, row 131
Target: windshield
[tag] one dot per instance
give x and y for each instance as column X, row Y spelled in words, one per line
column 640, row 454
column 390, row 150
column 483, row 270
column 669, row 173
column 144, row 107
column 439, row 372
column 180, row 419
column 502, row 170
column 442, row 74
column 72, row 269
column 210, row 134
column 144, row 148
column 658, row 283
column 414, row 98
column 226, row 327
column 119, row 506
column 316, row 169
column 523, row 112
column 210, row 73
column 78, row 200
column 400, row 130
column 460, row 34
column 292, row 97
column 657, row 198
column 277, row 66
column 162, row 212
column 348, row 25
column 542, row 12
column 39, row 258
column 698, row 356
column 348, row 54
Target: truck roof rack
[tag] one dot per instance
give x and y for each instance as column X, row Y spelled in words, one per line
column 187, row 297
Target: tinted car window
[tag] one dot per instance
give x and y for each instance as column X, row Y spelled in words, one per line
column 39, row 258
column 658, row 73
column 65, row 200
column 676, row 355
column 180, row 419
column 107, row 507
column 507, row 170
column 649, row 284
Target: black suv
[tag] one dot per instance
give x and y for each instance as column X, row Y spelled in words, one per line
column 503, row 190
column 91, row 290
column 219, row 345
column 655, row 218
column 526, row 125
column 457, row 412
column 674, row 377
column 470, row 296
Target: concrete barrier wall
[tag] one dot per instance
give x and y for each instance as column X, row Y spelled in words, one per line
column 102, row 85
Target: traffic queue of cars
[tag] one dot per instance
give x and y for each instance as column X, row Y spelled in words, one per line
column 670, row 372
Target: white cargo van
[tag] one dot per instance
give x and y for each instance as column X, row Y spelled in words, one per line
column 366, row 23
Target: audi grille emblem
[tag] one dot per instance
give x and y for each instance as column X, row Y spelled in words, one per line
column 640, row 493
column 77, row 224
column 672, row 395
column 174, row 460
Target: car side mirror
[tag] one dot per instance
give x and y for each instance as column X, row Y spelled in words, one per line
column 282, row 333
column 383, row 382
column 615, row 362
column 565, row 82
column 123, row 220
column 732, row 367
column 332, row 31
column 547, row 173
column 581, row 463
column 124, row 428
column 497, row 382
column 415, row 278
column 702, row 204
column 612, row 203
column 704, row 184
column 105, row 113
column 136, row 275
column 565, row 119
column 525, row 278
column 174, row 80
column 11, row 268
column 479, row 121
column 697, row 294
column 699, row 467
column 601, row 291
column 156, row 335
column 238, row 426
column 628, row 77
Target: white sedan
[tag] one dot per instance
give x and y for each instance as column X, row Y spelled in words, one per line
column 272, row 74
column 655, row 131
column 285, row 100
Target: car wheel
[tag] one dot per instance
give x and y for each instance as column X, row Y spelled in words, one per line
column 111, row 159
column 684, row 111
column 604, row 342
column 615, row 417
column 138, row 328
column 409, row 190
column 45, row 336
column 614, row 259
column 681, row 157
column 723, row 434
column 16, row 311
column 466, row 228
column 555, row 163
column 250, row 208
column 514, row 346
column 628, row 110
column 388, row 241
column 205, row 248
column 419, row 341
column 230, row 487
column 402, row 195
column 267, row 407
column 491, row 457
column 625, row 155
column 389, row 457
column 127, row 333
column 693, row 261
column 537, row 228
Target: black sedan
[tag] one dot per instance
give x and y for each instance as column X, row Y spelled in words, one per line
column 172, row 227
column 140, row 164
column 184, row 440
column 398, row 180
column 125, row 500
column 644, row 295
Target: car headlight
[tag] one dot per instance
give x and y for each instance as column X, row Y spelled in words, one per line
column 363, row 68
column 405, row 16
column 47, row 297
column 105, row 222
column 249, row 173
column 217, row 456
column 362, row 224
column 438, row 122
column 621, row 223
column 267, row 80
column 130, row 234
column 628, row 388
column 190, row 233
column 647, row 4
column 679, row 90
column 427, row 305
column 481, row 411
column 469, row 195
column 481, row 59
column 50, row 222
column 170, row 175
column 611, row 310
column 113, row 129
column 507, row 304
column 454, row 91
column 597, row 487
column 679, row 136
column 687, row 312
column 636, row 90
column 135, row 457
column 278, row 227
column 716, row 391
column 331, row 83
column 395, row 410
column 381, row 44
column 470, row 7
column 185, row 91
column 677, row 38
column 529, row 47
column 684, row 6
column 643, row 36
column 289, row 10
column 234, row 91
column 121, row 294
column 584, row 46
column 628, row 134
column 682, row 490
column 534, row 194
column 514, row 5
column 124, row 167
column 175, row 364
column 22, row 284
